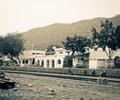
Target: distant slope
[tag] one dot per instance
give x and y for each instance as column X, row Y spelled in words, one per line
column 53, row 34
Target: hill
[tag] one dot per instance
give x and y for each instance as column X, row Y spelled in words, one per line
column 42, row 37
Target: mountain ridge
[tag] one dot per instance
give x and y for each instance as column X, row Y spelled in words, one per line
column 42, row 37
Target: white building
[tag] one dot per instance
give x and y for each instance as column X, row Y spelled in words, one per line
column 27, row 58
column 50, row 58
column 99, row 59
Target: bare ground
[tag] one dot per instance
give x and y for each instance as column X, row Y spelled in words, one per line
column 48, row 88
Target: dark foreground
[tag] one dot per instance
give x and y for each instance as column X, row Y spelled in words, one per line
column 47, row 88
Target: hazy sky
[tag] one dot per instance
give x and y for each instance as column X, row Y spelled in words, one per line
column 22, row 15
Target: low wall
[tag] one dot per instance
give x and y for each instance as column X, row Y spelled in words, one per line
column 113, row 73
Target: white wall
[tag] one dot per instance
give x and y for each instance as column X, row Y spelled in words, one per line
column 25, row 64
column 101, row 63
column 60, row 53
column 96, row 63
column 50, row 58
column 92, row 64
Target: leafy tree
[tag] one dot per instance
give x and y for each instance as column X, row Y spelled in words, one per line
column 108, row 37
column 1, row 46
column 12, row 46
column 76, row 44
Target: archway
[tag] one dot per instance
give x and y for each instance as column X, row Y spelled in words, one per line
column 42, row 63
column 53, row 63
column 48, row 63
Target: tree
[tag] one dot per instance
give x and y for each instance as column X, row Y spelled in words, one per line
column 76, row 44
column 1, row 45
column 12, row 46
column 107, row 37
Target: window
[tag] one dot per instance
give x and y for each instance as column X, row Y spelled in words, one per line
column 61, row 52
column 59, row 61
column 25, row 61
column 33, row 53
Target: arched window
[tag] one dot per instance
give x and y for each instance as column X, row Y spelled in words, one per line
column 59, row 61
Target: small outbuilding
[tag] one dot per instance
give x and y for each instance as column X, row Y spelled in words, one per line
column 98, row 59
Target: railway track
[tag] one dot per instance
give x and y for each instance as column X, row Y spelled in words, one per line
column 65, row 76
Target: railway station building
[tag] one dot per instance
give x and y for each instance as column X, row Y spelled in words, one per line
column 50, row 58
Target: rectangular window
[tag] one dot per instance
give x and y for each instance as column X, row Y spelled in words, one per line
column 25, row 61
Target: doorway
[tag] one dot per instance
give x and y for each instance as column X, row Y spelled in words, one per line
column 53, row 63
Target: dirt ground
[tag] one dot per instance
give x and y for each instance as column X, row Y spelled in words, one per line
column 30, row 87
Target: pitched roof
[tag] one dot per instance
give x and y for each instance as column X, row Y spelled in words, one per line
column 30, row 54
column 97, row 55
column 101, row 54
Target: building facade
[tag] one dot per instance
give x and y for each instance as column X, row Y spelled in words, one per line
column 99, row 59
column 27, row 58
column 81, row 61
column 50, row 58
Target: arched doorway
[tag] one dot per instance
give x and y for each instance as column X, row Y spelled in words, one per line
column 42, row 63
column 53, row 63
column 48, row 63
